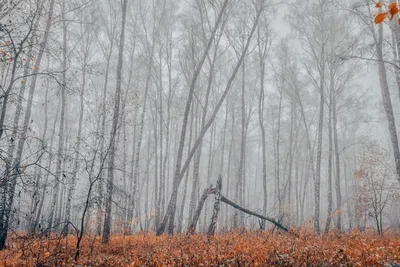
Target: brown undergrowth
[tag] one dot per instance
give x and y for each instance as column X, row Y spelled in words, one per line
column 249, row 248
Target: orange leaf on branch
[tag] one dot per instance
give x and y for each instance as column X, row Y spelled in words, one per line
column 378, row 5
column 393, row 10
column 380, row 17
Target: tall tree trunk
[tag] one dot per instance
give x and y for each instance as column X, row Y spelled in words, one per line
column 49, row 164
column 140, row 137
column 350, row 214
column 396, row 57
column 72, row 185
column 209, row 169
column 239, row 217
column 100, row 185
column 118, row 89
column 129, row 212
column 337, row 163
column 165, row 159
column 229, row 167
column 157, row 170
column 187, row 174
column 330, row 153
column 297, row 191
column 36, row 199
column 292, row 142
column 386, row 98
column 263, row 139
column 224, row 129
column 196, row 165
column 147, row 180
column 60, row 150
column 317, row 181
column 277, row 156
column 159, row 138
column 150, row 50
column 395, row 30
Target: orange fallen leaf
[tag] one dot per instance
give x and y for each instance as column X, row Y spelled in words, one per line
column 378, row 5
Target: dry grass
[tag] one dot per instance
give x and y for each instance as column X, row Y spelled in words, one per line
column 299, row 248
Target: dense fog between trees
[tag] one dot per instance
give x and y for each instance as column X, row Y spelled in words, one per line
column 116, row 116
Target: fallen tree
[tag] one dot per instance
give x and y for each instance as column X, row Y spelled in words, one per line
column 236, row 206
column 219, row 197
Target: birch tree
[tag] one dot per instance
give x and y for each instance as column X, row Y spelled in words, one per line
column 110, row 171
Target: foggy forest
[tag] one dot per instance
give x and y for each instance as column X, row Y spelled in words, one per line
column 161, row 129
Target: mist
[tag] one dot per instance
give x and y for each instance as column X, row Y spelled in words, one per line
column 122, row 117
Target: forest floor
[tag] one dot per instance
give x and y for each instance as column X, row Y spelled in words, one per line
column 249, row 248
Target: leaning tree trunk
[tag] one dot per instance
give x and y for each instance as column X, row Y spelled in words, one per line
column 196, row 173
column 196, row 216
column 196, row 165
column 170, row 214
column 179, row 172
